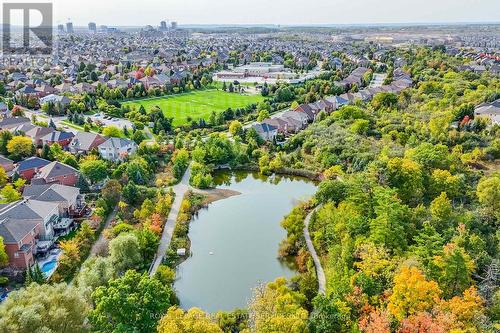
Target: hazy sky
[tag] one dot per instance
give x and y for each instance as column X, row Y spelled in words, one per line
column 142, row 12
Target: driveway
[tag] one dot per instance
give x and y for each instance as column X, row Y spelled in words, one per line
column 320, row 273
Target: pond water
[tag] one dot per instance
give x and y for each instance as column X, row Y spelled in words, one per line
column 234, row 243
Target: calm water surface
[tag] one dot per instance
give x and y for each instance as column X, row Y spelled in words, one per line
column 243, row 234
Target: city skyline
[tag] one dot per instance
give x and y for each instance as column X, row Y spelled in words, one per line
column 260, row 12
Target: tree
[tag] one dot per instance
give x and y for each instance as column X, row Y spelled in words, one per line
column 3, row 176
column 94, row 170
column 111, row 192
column 112, row 131
column 263, row 114
column 488, row 193
column 442, row 213
column 276, row 308
column 331, row 190
column 235, row 128
column 131, row 303
column 95, row 272
column 9, row 194
column 125, row 252
column 330, row 315
column 384, row 100
column 412, row 293
column 192, row 321
column 4, row 259
column 454, row 270
column 55, row 308
column 20, row 147
column 406, row 175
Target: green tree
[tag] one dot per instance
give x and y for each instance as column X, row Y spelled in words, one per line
column 94, row 170
column 95, row 272
column 112, row 131
column 263, row 114
column 4, row 259
column 55, row 308
column 276, row 308
column 488, row 193
column 131, row 303
column 125, row 252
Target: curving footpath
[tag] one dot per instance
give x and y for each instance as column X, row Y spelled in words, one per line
column 320, row 273
column 180, row 190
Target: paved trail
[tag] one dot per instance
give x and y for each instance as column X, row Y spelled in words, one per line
column 317, row 263
column 110, row 218
column 180, row 190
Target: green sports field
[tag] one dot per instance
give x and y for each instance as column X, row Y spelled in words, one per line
column 197, row 104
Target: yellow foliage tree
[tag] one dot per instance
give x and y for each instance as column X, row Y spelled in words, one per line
column 192, row 321
column 412, row 293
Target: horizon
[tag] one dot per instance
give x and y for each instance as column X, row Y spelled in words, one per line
column 279, row 12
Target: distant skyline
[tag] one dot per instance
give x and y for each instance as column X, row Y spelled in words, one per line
column 279, row 12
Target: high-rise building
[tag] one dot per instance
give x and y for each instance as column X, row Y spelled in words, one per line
column 69, row 28
column 174, row 25
column 163, row 26
column 60, row 28
column 92, row 27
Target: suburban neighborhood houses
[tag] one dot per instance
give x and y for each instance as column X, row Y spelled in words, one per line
column 263, row 178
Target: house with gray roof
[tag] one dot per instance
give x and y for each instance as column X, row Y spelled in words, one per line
column 83, row 142
column 266, row 132
column 117, row 149
column 56, row 172
column 489, row 111
column 68, row 198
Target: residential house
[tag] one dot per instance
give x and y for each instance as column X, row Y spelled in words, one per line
column 28, row 167
column 68, row 198
column 83, row 142
column 19, row 238
column 6, row 164
column 56, row 172
column 13, row 122
column 23, row 224
column 489, row 111
column 265, row 131
column 4, row 110
column 62, row 138
column 56, row 99
column 117, row 149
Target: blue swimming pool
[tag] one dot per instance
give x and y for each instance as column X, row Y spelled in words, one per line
column 48, row 267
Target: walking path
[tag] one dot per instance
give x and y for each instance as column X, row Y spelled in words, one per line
column 110, row 218
column 317, row 263
column 180, row 190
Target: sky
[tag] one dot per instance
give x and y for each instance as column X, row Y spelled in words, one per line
column 282, row 12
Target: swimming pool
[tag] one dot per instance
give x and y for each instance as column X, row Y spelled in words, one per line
column 48, row 267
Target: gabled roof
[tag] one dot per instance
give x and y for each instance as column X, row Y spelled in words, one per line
column 50, row 192
column 85, row 140
column 57, row 136
column 14, row 230
column 55, row 169
column 117, row 143
column 30, row 163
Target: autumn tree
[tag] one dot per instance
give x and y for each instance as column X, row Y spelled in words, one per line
column 20, row 147
column 4, row 259
column 276, row 308
column 412, row 293
column 193, row 321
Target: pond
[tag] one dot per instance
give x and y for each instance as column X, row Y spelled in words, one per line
column 235, row 242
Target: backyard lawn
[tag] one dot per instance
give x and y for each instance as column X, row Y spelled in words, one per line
column 197, row 104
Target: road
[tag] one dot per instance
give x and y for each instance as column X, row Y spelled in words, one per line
column 180, row 190
column 320, row 273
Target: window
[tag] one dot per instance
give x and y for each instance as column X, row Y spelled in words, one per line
column 16, row 254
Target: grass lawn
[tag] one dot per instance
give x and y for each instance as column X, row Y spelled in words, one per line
column 197, row 104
